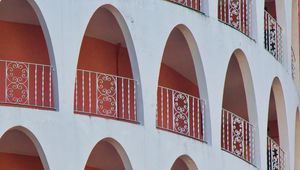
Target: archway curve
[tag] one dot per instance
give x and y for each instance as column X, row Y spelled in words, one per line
column 199, row 71
column 184, row 161
column 119, row 149
column 36, row 10
column 239, row 57
column 50, row 48
column 126, row 33
column 35, row 142
column 281, row 114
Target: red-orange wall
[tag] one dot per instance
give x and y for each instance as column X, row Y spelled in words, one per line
column 172, row 79
column 23, row 42
column 102, row 56
column 89, row 168
column 19, row 162
column 271, row 8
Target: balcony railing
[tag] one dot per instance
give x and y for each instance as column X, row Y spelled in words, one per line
column 193, row 4
column 105, row 95
column 236, row 13
column 276, row 156
column 26, row 84
column 273, row 37
column 238, row 136
column 180, row 113
column 293, row 63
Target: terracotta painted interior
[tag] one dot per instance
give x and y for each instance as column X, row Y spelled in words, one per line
column 104, row 50
column 104, row 157
column 177, row 68
column 272, row 119
column 17, row 152
column 270, row 7
column 26, row 45
column 177, row 72
column 234, row 97
column 179, row 164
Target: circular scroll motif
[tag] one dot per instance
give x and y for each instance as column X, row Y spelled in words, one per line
column 238, row 136
column 17, row 83
column 106, row 95
column 181, row 120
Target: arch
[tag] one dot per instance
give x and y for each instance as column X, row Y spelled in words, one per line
column 181, row 62
column 113, row 40
column 239, row 110
column 31, row 48
column 20, row 149
column 184, row 162
column 277, row 127
column 108, row 154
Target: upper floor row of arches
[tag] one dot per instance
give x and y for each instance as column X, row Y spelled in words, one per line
column 107, row 79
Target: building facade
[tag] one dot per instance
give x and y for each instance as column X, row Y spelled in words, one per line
column 149, row 84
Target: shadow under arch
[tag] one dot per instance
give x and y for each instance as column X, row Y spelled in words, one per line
column 199, row 73
column 130, row 48
column 115, row 147
column 281, row 117
column 34, row 141
column 242, row 66
column 50, row 48
column 184, row 162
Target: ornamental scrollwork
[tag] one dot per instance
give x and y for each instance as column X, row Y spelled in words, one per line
column 235, row 13
column 107, row 95
column 237, row 136
column 17, row 79
column 181, row 113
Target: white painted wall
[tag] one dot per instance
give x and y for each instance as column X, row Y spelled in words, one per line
column 67, row 139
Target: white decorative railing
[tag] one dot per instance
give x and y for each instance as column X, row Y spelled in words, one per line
column 276, row 156
column 293, row 63
column 193, row 4
column 180, row 113
column 236, row 13
column 238, row 136
column 26, row 84
column 273, row 37
column 99, row 94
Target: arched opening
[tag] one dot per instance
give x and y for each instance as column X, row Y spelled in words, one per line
column 273, row 31
column 297, row 141
column 105, row 84
column 25, row 69
column 238, row 110
column 238, row 14
column 277, row 129
column 179, row 107
column 184, row 163
column 109, row 155
column 18, row 152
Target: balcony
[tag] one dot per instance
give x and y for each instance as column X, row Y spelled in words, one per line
column 192, row 4
column 238, row 136
column 237, row 14
column 273, row 37
column 26, row 84
column 180, row 113
column 105, row 95
column 276, row 156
